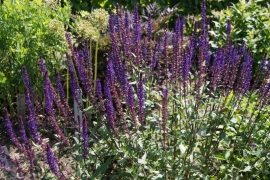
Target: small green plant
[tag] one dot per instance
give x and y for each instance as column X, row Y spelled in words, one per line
column 29, row 29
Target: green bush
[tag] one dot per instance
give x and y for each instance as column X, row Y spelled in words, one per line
column 251, row 24
column 29, row 29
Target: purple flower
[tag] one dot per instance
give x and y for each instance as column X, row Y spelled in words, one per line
column 12, row 134
column 62, row 93
column 107, row 91
column 140, row 94
column 149, row 28
column 30, row 89
column 118, row 105
column 82, row 74
column 111, row 116
column 73, row 81
column 48, row 96
column 110, row 74
column 187, row 55
column 165, row 51
column 52, row 162
column 136, row 26
column 99, row 95
column 217, row 68
column 242, row 48
column 231, row 67
column 50, row 110
column 3, row 153
column 119, row 24
column 136, row 35
column 175, row 55
column 42, row 65
column 53, row 93
column 259, row 77
column 154, row 57
column 33, row 130
column 112, row 29
column 131, row 104
column 127, row 21
column 30, row 107
column 203, row 16
column 228, row 28
column 144, row 52
column 23, row 133
column 245, row 75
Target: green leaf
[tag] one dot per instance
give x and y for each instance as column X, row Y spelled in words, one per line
column 248, row 168
column 227, row 154
column 102, row 169
column 182, row 148
column 219, row 156
column 234, row 120
column 202, row 132
column 76, row 140
column 143, row 159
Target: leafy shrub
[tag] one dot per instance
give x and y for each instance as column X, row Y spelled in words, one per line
column 251, row 24
column 29, row 29
column 167, row 109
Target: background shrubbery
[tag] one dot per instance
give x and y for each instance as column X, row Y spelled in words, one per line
column 29, row 29
column 251, row 23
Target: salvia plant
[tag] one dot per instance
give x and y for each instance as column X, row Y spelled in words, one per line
column 167, row 109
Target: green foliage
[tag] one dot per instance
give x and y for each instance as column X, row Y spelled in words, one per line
column 29, row 29
column 250, row 23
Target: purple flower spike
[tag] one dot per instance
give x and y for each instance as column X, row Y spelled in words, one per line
column 203, row 16
column 166, row 36
column 245, row 75
column 107, row 91
column 88, row 61
column 12, row 134
column 261, row 74
column 23, row 133
column 62, row 93
column 131, row 105
column 136, row 34
column 7, row 156
column 217, row 68
column 52, row 162
column 127, row 21
column 111, row 116
column 228, row 28
column 42, row 65
column 149, row 28
column 141, row 99
column 99, row 95
column 30, row 89
column 110, row 71
column 31, row 110
column 33, row 130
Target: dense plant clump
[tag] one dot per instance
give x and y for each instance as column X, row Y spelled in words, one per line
column 166, row 109
column 251, row 24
